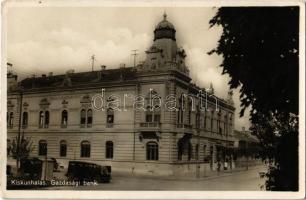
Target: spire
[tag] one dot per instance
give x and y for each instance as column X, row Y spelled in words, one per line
column 165, row 16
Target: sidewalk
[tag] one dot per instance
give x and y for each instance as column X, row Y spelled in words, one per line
column 210, row 175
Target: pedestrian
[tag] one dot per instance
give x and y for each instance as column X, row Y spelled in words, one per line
column 219, row 166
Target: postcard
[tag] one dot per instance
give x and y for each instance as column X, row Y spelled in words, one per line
column 153, row 99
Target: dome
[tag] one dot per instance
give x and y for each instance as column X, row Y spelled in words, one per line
column 165, row 24
column 164, row 29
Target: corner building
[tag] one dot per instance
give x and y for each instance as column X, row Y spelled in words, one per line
column 56, row 112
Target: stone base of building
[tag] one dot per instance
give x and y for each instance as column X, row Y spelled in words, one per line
column 127, row 168
column 152, row 169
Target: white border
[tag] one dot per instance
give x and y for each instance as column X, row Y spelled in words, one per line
column 156, row 194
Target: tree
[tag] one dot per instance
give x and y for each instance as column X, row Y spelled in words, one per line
column 260, row 50
column 22, row 149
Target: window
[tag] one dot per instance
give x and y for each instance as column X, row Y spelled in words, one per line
column 41, row 119
column 83, row 117
column 42, row 148
column 86, row 118
column 153, row 107
column 24, row 119
column 63, row 148
column 64, row 120
column 197, row 152
column 197, row 122
column 110, row 117
column 152, row 151
column 46, row 119
column 11, row 119
column 205, row 117
column 156, row 117
column 212, row 121
column 180, row 116
column 85, row 149
column 204, row 152
column 225, row 125
column 189, row 151
column 189, row 111
column 109, row 150
column 149, row 116
column 219, row 123
column 153, row 116
column 89, row 117
column 8, row 147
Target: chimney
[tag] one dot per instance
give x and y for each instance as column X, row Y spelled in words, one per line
column 122, row 65
column 43, row 75
column 103, row 67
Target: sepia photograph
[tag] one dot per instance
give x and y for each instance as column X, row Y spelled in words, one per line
column 153, row 97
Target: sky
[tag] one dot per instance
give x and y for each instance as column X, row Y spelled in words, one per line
column 48, row 39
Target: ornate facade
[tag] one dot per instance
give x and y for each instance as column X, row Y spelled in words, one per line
column 59, row 115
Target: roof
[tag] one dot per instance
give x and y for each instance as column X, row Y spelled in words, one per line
column 77, row 79
column 165, row 24
column 245, row 135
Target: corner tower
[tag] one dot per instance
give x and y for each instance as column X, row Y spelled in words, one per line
column 164, row 53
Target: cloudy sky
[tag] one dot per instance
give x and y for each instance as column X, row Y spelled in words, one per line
column 45, row 39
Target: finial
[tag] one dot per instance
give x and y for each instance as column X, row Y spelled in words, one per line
column 165, row 15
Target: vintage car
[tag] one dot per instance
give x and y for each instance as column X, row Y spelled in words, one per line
column 84, row 171
column 31, row 168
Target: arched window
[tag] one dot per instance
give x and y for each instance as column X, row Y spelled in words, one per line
column 47, row 119
column 63, row 148
column 83, row 117
column 89, row 117
column 41, row 119
column 152, row 151
column 42, row 148
column 24, row 119
column 109, row 150
column 64, row 120
column 85, row 149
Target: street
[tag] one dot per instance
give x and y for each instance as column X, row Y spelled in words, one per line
column 244, row 180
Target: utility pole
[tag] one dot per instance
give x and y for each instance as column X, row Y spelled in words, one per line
column 92, row 62
column 19, row 131
column 134, row 54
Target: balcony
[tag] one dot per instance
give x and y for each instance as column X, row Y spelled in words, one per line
column 150, row 124
column 109, row 125
column 186, row 126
